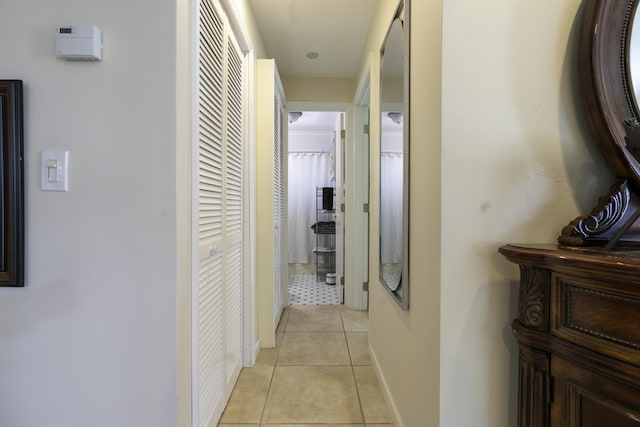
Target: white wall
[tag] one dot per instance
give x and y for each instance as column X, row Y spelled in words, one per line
column 318, row 89
column 91, row 339
column 514, row 163
column 529, row 168
column 183, row 158
column 404, row 344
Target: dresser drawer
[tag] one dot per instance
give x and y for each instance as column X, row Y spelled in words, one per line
column 601, row 316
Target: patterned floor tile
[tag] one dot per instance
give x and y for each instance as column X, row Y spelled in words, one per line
column 304, row 289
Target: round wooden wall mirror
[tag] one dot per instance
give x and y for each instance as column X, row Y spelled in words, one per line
column 609, row 78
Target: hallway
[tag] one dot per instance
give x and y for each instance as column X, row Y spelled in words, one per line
column 319, row 373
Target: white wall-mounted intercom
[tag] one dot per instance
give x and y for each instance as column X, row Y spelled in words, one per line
column 79, row 42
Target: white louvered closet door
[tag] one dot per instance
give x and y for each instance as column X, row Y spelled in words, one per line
column 280, row 281
column 218, row 215
column 233, row 224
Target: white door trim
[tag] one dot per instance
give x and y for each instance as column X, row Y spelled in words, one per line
column 354, row 295
column 359, row 173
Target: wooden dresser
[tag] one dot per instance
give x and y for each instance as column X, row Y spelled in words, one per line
column 578, row 329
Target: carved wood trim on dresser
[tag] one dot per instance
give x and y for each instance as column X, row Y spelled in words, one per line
column 533, row 298
column 578, row 330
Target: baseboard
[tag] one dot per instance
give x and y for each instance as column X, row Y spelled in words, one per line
column 256, row 350
column 397, row 420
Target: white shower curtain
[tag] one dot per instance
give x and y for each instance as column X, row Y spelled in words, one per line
column 391, row 211
column 306, row 172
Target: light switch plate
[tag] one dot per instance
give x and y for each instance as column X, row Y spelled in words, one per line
column 54, row 171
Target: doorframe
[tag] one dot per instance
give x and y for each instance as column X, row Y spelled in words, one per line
column 360, row 188
column 354, row 296
column 360, row 175
column 250, row 342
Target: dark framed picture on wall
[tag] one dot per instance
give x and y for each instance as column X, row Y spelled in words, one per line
column 11, row 184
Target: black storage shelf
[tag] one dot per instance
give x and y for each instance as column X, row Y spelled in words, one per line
column 325, row 231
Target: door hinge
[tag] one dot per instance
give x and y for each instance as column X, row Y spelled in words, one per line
column 365, row 286
column 342, row 280
column 342, row 207
column 366, row 129
column 365, row 208
column 343, row 134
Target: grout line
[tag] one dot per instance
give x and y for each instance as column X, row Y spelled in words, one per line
column 266, row 399
column 275, row 362
column 353, row 372
column 346, row 339
column 355, row 382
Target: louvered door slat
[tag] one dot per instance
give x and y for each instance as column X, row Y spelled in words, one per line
column 233, row 312
column 233, row 195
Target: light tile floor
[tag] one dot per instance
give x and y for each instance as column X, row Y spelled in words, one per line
column 319, row 375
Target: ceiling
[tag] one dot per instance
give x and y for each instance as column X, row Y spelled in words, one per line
column 336, row 29
column 313, row 131
column 315, row 121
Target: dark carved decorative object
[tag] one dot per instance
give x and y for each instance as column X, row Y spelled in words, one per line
column 601, row 225
column 532, row 297
column 11, row 184
column 590, row 353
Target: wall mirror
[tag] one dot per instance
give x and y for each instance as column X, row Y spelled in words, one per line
column 609, row 79
column 394, row 158
column 11, row 184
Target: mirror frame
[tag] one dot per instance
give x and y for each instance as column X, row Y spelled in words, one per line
column 604, row 81
column 401, row 295
column 11, row 184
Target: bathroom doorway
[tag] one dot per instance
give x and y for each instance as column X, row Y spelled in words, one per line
column 315, row 199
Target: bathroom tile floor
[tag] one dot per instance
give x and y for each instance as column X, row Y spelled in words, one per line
column 318, row 375
column 306, row 289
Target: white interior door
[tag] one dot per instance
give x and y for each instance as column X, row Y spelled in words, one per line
column 280, row 264
column 340, row 206
column 271, row 199
column 357, row 219
column 233, row 211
